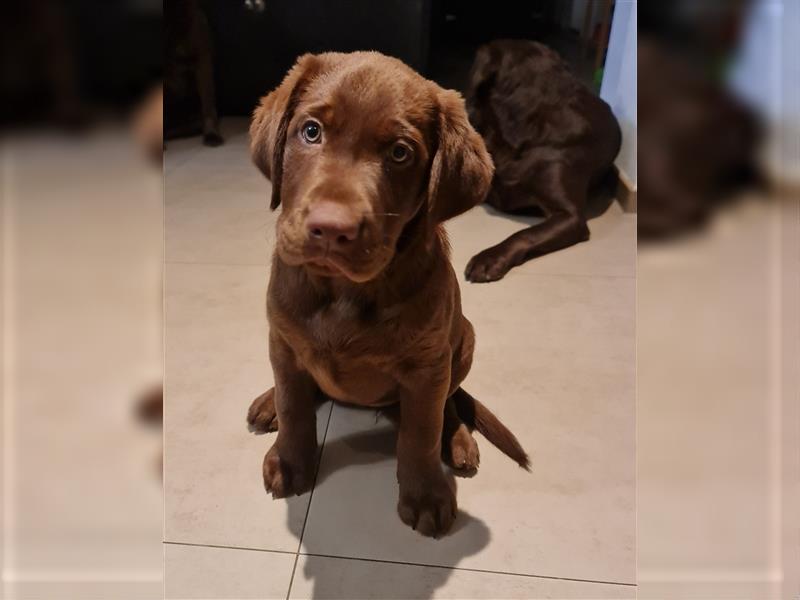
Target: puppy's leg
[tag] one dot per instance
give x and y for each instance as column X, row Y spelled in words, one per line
column 459, row 449
column 427, row 497
column 289, row 464
column 563, row 201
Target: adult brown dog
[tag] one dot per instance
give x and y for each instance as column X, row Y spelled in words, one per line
column 368, row 159
column 553, row 142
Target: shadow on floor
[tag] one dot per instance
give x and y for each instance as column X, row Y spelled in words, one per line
column 363, row 448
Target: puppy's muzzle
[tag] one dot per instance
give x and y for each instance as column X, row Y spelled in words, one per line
column 332, row 226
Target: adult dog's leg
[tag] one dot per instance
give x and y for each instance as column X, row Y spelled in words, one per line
column 563, row 201
column 289, row 464
column 205, row 84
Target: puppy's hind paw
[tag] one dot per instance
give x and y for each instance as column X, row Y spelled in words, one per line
column 463, row 456
column 262, row 416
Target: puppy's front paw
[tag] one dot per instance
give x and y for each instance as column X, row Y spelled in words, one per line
column 283, row 478
column 486, row 266
column 262, row 416
column 430, row 508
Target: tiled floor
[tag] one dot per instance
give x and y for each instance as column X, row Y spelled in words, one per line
column 554, row 359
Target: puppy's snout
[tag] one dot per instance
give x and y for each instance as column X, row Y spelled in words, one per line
column 333, row 223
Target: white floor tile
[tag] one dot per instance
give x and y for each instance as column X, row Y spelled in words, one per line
column 197, row 572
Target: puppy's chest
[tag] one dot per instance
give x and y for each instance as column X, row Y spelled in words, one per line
column 350, row 350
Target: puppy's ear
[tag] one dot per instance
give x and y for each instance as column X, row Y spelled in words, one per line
column 462, row 169
column 270, row 122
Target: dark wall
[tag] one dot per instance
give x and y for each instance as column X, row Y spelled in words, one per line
column 253, row 50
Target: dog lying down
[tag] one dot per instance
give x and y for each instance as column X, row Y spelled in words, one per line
column 553, row 142
column 368, row 159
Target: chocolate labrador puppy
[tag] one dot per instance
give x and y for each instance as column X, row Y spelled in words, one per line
column 553, row 142
column 368, row 159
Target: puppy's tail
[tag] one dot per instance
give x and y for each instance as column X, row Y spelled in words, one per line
column 476, row 416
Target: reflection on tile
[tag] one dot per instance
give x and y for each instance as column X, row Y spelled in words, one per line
column 225, row 573
column 216, row 363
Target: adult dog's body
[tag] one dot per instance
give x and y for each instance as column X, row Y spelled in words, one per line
column 552, row 140
column 368, row 159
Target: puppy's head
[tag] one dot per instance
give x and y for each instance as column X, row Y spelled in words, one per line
column 361, row 152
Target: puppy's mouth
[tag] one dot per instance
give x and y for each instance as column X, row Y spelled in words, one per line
column 326, row 266
column 331, row 264
column 358, row 263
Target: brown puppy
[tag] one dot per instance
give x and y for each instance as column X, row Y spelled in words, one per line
column 553, row 142
column 368, row 159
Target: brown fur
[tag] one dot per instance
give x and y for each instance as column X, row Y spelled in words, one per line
column 189, row 73
column 553, row 142
column 475, row 415
column 375, row 319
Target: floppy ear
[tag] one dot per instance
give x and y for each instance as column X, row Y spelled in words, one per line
column 271, row 119
column 462, row 169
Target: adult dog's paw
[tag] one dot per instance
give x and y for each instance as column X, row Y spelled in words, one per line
column 262, row 416
column 486, row 266
column 283, row 478
column 213, row 139
column 431, row 508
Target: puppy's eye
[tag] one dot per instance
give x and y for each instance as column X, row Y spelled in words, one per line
column 400, row 152
column 312, row 132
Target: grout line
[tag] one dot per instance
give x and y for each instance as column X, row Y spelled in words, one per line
column 221, row 547
column 310, row 498
column 299, row 553
column 473, row 570
column 291, row 579
column 403, row 563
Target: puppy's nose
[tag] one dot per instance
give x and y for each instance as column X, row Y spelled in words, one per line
column 332, row 222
